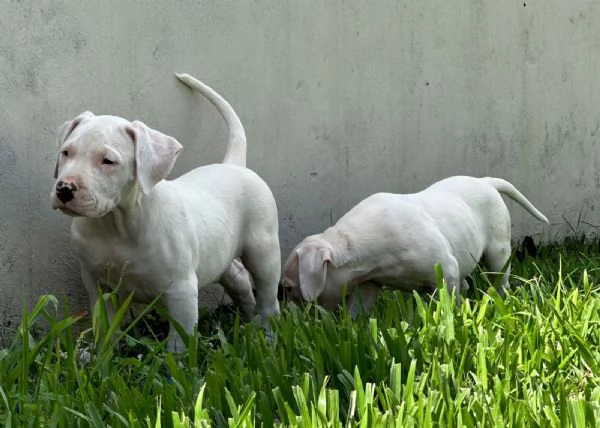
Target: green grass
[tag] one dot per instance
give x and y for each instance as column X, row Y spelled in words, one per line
column 529, row 359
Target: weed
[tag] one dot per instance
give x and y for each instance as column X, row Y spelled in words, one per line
column 529, row 358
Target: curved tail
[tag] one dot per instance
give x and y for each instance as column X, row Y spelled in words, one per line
column 511, row 191
column 236, row 143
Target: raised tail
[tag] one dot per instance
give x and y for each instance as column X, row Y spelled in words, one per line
column 236, row 143
column 511, row 191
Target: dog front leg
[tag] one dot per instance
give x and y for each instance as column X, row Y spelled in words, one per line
column 91, row 284
column 181, row 301
column 363, row 296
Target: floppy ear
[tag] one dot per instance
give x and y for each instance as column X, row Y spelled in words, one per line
column 312, row 263
column 66, row 129
column 290, row 270
column 155, row 154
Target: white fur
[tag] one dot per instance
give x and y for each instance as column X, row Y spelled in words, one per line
column 216, row 223
column 395, row 240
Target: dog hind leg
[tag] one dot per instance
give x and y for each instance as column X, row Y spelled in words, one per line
column 238, row 285
column 495, row 258
column 263, row 260
column 451, row 273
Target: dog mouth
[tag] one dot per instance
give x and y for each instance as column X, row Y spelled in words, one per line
column 68, row 212
column 68, row 209
column 291, row 293
column 77, row 213
column 64, row 209
column 79, row 207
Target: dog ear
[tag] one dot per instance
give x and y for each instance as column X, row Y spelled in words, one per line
column 290, row 270
column 155, row 154
column 66, row 129
column 312, row 272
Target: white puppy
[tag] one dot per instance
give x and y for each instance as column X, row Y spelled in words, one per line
column 391, row 240
column 167, row 237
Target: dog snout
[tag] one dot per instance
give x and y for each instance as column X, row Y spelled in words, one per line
column 65, row 190
column 289, row 293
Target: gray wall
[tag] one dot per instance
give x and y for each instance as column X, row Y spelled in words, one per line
column 340, row 98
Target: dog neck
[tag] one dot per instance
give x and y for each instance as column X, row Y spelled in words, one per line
column 126, row 219
column 131, row 198
column 346, row 258
column 340, row 244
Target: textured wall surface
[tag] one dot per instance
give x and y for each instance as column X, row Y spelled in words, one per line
column 339, row 99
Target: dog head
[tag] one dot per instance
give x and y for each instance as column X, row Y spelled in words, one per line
column 305, row 273
column 104, row 161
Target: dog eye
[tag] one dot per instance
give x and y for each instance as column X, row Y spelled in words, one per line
column 65, row 153
column 107, row 162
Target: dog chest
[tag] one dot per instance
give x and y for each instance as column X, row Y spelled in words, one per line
column 113, row 263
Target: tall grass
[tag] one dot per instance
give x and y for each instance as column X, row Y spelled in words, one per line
column 530, row 358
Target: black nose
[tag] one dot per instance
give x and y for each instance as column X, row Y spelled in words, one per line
column 65, row 191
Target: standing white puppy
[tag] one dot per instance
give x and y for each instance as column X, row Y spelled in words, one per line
column 163, row 237
column 391, row 240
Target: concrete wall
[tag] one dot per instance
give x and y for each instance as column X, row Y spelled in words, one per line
column 339, row 98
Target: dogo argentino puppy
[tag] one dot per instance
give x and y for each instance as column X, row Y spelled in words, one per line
column 167, row 237
column 394, row 240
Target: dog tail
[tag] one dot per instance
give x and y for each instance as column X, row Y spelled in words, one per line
column 236, row 143
column 511, row 191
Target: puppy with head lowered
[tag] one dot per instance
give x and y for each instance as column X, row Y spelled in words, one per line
column 217, row 223
column 394, row 240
